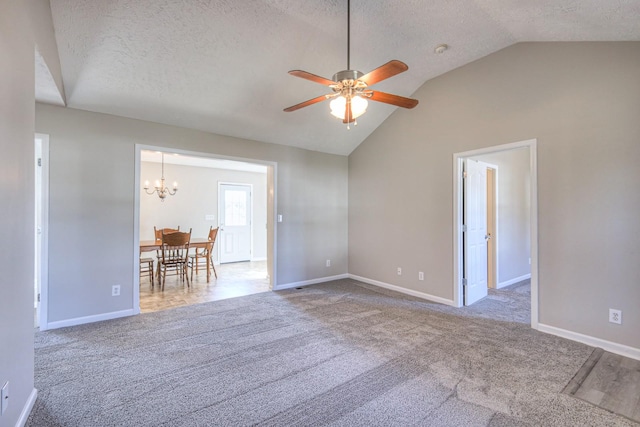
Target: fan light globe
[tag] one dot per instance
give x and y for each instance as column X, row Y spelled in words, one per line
column 358, row 106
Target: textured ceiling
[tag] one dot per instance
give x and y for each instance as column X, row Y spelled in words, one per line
column 221, row 65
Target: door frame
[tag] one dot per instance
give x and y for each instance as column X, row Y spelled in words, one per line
column 494, row 237
column 43, row 308
column 272, row 206
column 531, row 144
column 243, row 184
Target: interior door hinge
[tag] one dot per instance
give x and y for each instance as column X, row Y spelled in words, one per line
column 464, row 174
column 464, row 282
column 39, row 161
column 464, row 228
column 38, row 297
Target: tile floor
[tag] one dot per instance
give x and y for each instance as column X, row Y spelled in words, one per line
column 234, row 280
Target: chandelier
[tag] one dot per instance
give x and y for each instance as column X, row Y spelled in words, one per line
column 159, row 186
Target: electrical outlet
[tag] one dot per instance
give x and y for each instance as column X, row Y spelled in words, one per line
column 421, row 275
column 4, row 398
column 328, row 263
column 399, row 271
column 115, row 290
column 615, row 316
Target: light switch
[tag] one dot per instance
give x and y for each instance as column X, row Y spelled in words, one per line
column 279, row 217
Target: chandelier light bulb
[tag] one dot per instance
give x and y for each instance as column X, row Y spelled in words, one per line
column 338, row 106
column 358, row 106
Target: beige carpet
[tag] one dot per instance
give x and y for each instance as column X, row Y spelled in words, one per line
column 339, row 354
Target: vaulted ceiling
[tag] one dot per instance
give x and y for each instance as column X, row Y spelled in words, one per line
column 221, row 65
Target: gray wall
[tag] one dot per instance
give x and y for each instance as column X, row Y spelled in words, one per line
column 582, row 102
column 197, row 197
column 91, row 207
column 513, row 236
column 17, row 206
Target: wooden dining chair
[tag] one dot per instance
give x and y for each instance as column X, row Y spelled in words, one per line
column 174, row 255
column 157, row 232
column 146, row 267
column 204, row 256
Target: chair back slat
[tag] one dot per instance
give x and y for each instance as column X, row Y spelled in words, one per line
column 175, row 246
column 213, row 233
column 158, row 232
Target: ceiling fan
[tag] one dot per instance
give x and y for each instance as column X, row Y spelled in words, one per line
column 351, row 87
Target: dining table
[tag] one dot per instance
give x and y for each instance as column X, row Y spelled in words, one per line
column 195, row 242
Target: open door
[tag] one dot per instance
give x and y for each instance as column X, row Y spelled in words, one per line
column 41, row 217
column 475, row 231
column 492, row 252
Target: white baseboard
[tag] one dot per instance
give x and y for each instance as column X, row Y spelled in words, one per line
column 404, row 290
column 258, row 259
column 612, row 347
column 26, row 411
column 513, row 281
column 90, row 319
column 309, row 282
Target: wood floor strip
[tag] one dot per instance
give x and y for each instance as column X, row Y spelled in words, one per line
column 609, row 381
column 583, row 372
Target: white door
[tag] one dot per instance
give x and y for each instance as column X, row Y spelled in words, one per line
column 41, row 222
column 475, row 233
column 235, row 222
column 38, row 229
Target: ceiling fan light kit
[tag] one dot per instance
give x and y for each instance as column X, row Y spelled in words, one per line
column 339, row 105
column 351, row 87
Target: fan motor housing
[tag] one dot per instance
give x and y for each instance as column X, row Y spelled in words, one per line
column 347, row 75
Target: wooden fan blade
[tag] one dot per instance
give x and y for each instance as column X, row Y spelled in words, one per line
column 312, row 77
column 306, row 103
column 348, row 115
column 385, row 71
column 397, row 100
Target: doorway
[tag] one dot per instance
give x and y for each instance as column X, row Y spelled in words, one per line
column 465, row 257
column 195, row 206
column 41, row 226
